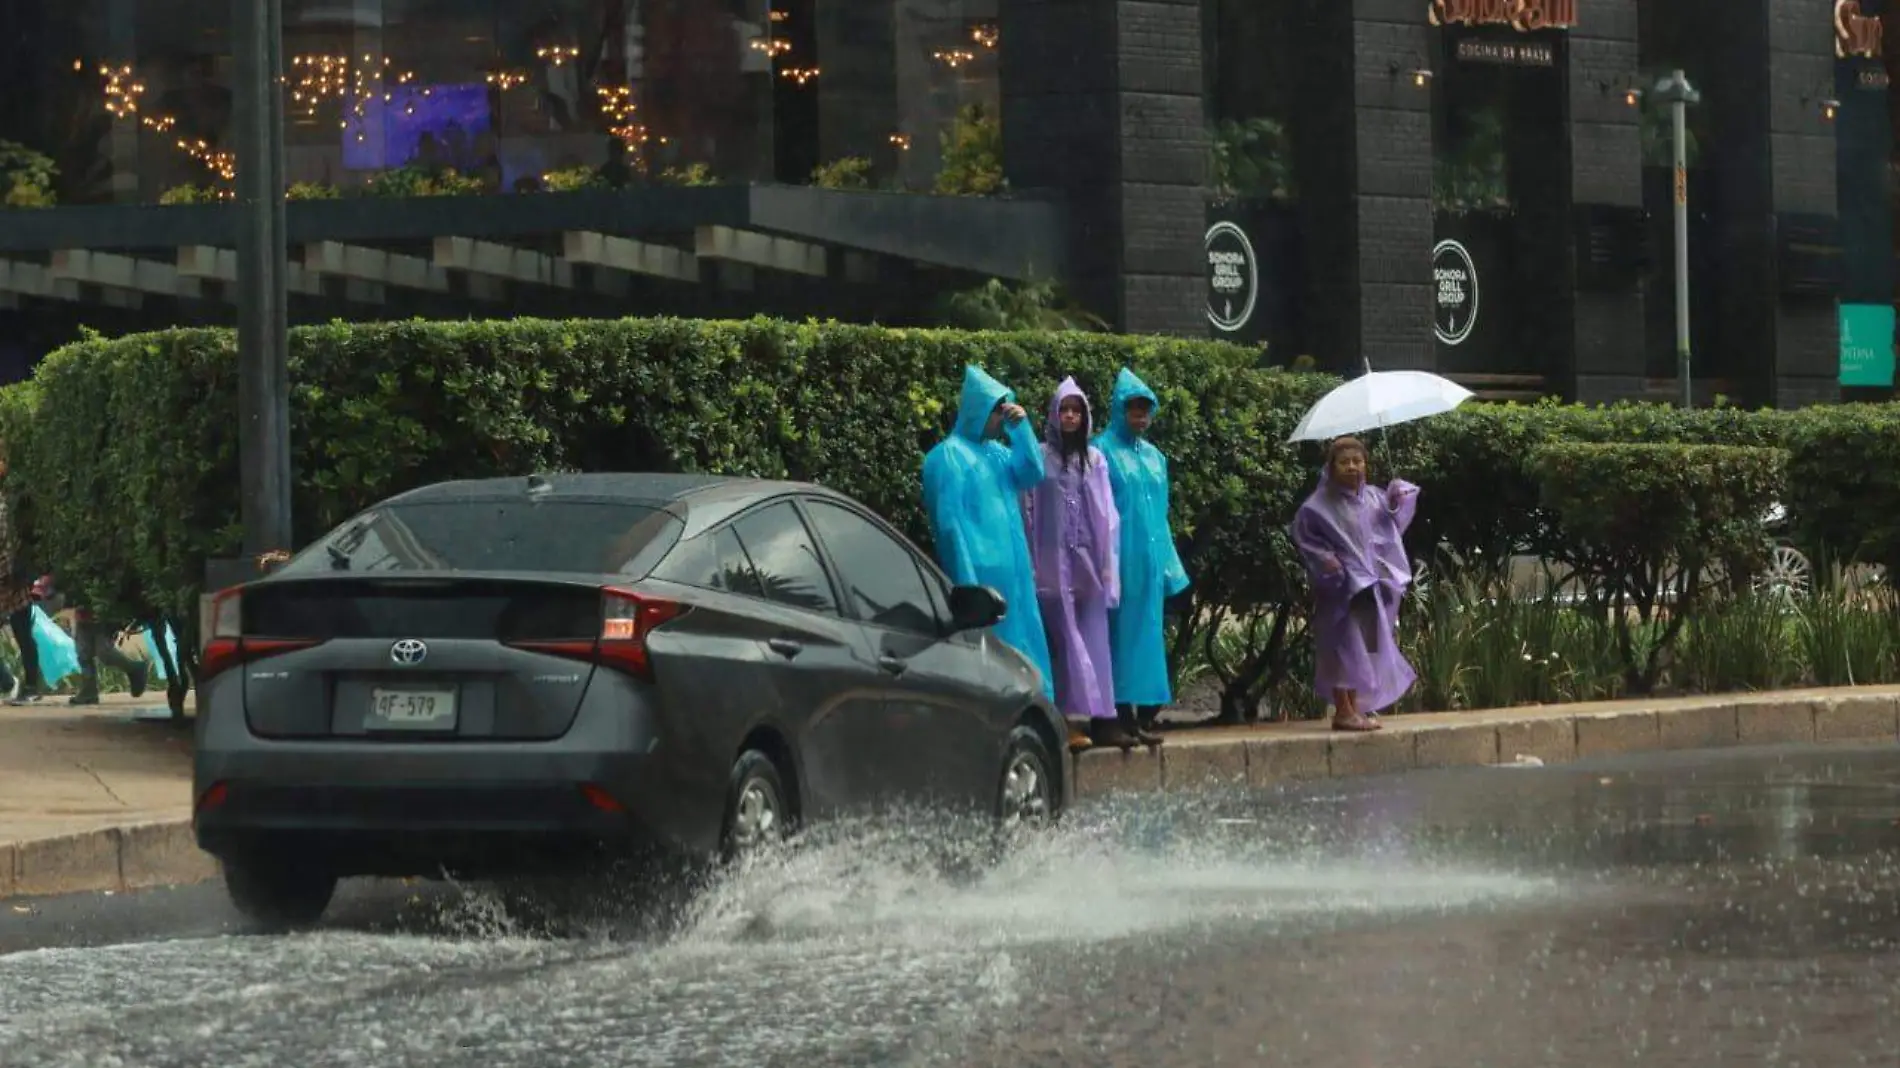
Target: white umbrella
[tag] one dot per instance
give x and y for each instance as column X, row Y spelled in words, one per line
column 1379, row 399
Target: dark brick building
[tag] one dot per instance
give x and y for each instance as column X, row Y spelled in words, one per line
column 1482, row 187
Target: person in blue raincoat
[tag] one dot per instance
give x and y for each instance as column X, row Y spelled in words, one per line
column 1150, row 565
column 973, row 483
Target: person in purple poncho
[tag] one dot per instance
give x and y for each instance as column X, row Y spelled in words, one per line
column 1351, row 537
column 1075, row 544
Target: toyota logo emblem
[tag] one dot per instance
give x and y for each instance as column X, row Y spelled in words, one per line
column 408, row 651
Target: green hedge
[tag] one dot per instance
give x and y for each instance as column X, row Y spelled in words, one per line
column 125, row 476
column 124, row 453
column 1644, row 525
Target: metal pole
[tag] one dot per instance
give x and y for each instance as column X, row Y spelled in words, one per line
column 1679, row 116
column 263, row 380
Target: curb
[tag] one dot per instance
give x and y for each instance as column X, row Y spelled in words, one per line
column 1300, row 752
column 136, row 857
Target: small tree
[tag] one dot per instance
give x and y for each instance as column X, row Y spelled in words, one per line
column 1644, row 526
column 972, row 155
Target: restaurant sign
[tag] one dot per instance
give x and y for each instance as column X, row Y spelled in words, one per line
column 1524, row 16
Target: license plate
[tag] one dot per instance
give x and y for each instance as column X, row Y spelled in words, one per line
column 411, row 710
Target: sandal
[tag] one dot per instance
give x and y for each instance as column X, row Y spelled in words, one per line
column 1355, row 724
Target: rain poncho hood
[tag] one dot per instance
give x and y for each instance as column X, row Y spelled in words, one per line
column 1150, row 564
column 980, row 395
column 1074, row 540
column 1128, row 387
column 1356, row 604
column 972, row 487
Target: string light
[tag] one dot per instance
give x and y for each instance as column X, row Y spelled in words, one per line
column 954, row 58
column 985, row 34
column 901, row 141
column 319, row 77
column 800, row 75
column 779, row 16
column 503, row 79
column 772, row 46
column 122, row 92
column 616, row 102
column 222, row 164
column 558, row 55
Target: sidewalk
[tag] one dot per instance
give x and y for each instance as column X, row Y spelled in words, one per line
column 94, row 798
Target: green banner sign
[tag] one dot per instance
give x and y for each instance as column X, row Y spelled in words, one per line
column 1867, row 345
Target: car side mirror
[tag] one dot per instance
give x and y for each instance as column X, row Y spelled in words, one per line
column 975, row 607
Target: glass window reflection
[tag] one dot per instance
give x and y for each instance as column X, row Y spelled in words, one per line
column 133, row 98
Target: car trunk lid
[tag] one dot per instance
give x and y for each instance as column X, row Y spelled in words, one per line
column 464, row 657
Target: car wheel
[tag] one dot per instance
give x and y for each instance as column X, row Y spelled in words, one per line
column 277, row 895
column 1025, row 796
column 756, row 812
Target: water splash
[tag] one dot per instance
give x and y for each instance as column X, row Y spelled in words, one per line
column 1115, row 873
column 880, row 942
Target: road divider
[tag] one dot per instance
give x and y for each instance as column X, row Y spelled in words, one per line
column 1281, row 753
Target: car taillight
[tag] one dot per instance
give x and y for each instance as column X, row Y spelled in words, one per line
column 228, row 646
column 626, row 619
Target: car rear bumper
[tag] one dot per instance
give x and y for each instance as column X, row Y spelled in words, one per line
column 607, row 788
column 472, row 827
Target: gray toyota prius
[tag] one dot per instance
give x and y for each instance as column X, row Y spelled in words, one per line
column 525, row 675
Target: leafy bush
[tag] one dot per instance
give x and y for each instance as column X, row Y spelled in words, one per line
column 1643, row 505
column 1252, row 158
column 1480, row 640
column 1749, row 642
column 851, row 172
column 189, row 194
column 312, row 191
column 693, row 174
column 573, row 179
column 1844, row 482
column 972, row 155
column 27, row 177
column 417, row 180
column 378, row 408
column 998, row 305
column 1849, row 639
column 1644, row 525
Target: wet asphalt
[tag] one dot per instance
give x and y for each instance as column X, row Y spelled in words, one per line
column 1718, row 908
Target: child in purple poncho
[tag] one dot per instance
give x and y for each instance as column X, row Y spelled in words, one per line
column 1351, row 537
column 1075, row 544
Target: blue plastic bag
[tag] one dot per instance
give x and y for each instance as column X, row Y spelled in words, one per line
column 59, row 657
column 151, row 651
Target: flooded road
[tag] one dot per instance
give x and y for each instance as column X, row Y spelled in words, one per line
column 1724, row 908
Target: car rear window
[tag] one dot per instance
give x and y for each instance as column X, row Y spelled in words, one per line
column 578, row 537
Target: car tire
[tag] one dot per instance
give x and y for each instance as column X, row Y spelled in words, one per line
column 757, row 812
column 275, row 895
column 1026, row 789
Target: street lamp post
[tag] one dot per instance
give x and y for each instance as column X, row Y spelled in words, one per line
column 263, row 377
column 1676, row 92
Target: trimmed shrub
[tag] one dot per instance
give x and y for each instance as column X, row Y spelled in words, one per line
column 125, row 468
column 1642, row 527
column 125, row 474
